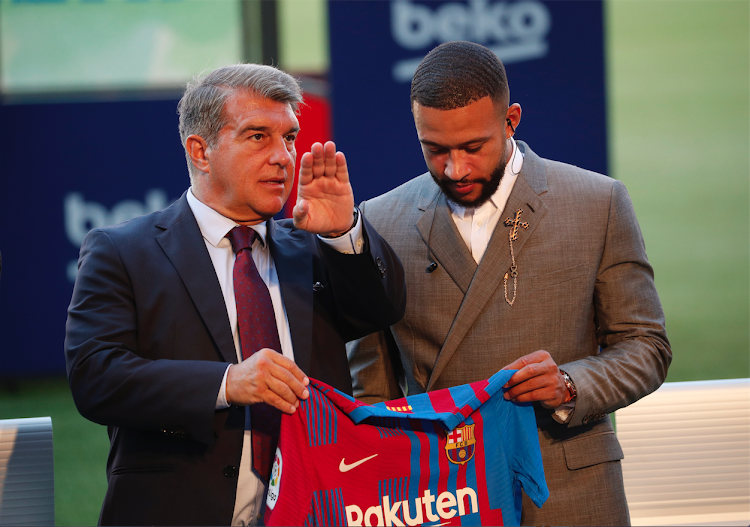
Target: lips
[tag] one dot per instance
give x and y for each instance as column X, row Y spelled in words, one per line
column 464, row 188
column 274, row 181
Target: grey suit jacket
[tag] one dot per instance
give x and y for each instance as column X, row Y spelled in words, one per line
column 585, row 294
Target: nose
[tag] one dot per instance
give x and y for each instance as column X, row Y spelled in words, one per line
column 456, row 167
column 282, row 153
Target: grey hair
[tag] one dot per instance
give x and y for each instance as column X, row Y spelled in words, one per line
column 201, row 108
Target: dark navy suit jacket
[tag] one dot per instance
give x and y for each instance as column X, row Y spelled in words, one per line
column 148, row 340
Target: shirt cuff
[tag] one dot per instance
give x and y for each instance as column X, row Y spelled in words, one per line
column 564, row 412
column 221, row 399
column 353, row 242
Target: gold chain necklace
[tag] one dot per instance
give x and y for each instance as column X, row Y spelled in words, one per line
column 513, row 235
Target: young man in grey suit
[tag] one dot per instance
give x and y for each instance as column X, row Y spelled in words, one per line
column 517, row 262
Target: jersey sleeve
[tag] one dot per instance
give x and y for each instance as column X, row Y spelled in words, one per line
column 524, row 454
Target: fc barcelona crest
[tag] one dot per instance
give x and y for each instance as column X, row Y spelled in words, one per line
column 460, row 445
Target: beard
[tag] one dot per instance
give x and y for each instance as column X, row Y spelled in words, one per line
column 488, row 186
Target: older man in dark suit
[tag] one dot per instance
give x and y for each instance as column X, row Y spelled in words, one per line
column 515, row 261
column 191, row 329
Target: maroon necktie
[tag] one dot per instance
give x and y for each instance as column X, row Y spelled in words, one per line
column 256, row 324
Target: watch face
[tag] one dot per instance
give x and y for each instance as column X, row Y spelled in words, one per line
column 569, row 384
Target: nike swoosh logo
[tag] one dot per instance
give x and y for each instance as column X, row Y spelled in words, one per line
column 343, row 467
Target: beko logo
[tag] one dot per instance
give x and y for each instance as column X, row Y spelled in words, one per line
column 514, row 31
column 81, row 216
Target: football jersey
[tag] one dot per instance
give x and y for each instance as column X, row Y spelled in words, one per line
column 458, row 456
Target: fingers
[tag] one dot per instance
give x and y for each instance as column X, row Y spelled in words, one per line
column 326, row 163
column 531, row 358
column 286, row 379
column 342, row 171
column 318, row 153
column 311, row 165
column 324, row 196
column 306, row 168
column 530, row 367
column 282, row 393
column 544, row 389
column 267, row 377
column 299, row 213
column 323, row 161
column 329, row 158
column 537, row 379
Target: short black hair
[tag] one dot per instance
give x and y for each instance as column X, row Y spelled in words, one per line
column 456, row 74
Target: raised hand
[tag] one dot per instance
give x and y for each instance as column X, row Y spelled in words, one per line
column 325, row 201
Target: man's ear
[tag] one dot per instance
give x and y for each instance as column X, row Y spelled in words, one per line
column 514, row 116
column 197, row 149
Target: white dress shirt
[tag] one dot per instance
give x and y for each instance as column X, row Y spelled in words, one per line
column 477, row 224
column 214, row 227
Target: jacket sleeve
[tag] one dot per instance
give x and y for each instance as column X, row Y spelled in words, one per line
column 376, row 368
column 634, row 349
column 369, row 289
column 112, row 379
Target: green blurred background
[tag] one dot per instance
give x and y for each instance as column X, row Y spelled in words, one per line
column 679, row 117
column 679, row 123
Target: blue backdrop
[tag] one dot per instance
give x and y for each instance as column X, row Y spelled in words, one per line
column 68, row 168
column 554, row 57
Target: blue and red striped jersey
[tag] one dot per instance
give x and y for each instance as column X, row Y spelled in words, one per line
column 458, row 456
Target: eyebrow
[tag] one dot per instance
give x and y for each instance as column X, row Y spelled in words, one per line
column 266, row 129
column 462, row 145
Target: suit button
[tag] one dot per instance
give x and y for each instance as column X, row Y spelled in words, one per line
column 231, row 472
column 381, row 266
column 317, row 286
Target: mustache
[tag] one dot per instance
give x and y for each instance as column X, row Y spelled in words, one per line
column 464, row 181
column 488, row 185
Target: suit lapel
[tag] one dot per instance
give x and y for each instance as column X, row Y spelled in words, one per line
column 291, row 252
column 496, row 261
column 184, row 246
column 440, row 234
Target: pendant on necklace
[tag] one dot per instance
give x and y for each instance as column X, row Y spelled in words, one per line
column 512, row 236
